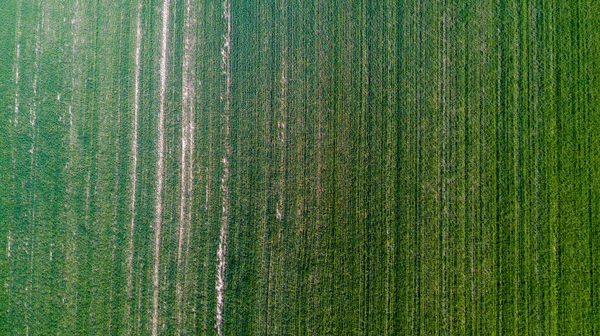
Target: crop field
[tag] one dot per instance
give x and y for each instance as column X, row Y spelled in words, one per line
column 291, row 167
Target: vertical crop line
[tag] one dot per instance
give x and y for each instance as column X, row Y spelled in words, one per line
column 14, row 123
column 419, row 164
column 390, row 158
column 498, row 84
column 32, row 162
column 361, row 207
column 592, row 68
column 186, row 179
column 558, row 238
column 17, row 63
column 134, row 164
column 281, row 124
column 160, row 161
column 115, row 310
column 443, row 173
column 222, row 250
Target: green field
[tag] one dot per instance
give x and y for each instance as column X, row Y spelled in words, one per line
column 290, row 167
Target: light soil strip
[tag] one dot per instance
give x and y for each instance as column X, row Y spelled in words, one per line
column 134, row 163
column 222, row 251
column 16, row 99
column 32, row 122
column 281, row 125
column 17, row 63
column 187, row 127
column 71, row 251
column 14, row 122
column 160, row 166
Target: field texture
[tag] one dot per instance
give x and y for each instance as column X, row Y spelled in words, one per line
column 289, row 167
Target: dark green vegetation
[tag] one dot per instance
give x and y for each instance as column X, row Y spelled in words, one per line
column 364, row 167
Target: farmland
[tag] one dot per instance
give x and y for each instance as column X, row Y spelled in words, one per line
column 288, row 167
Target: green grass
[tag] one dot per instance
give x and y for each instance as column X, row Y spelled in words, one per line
column 396, row 167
